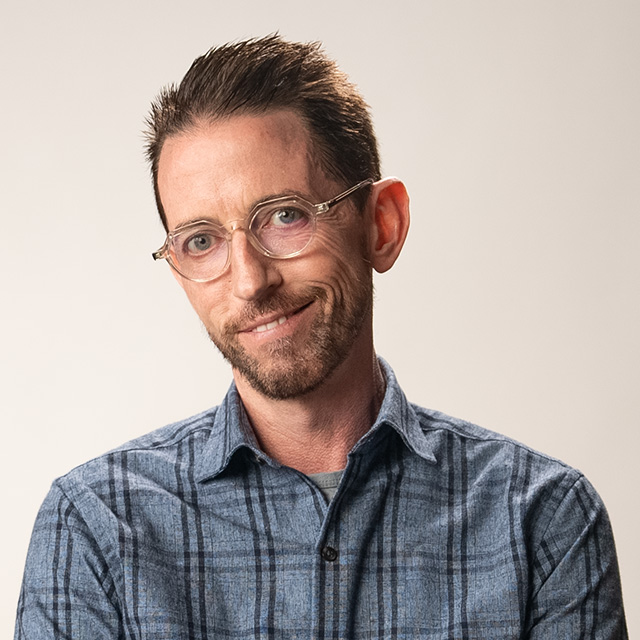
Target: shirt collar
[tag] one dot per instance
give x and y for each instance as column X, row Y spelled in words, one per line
column 397, row 412
column 231, row 430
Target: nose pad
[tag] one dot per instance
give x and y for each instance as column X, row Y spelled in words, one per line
column 235, row 225
column 252, row 273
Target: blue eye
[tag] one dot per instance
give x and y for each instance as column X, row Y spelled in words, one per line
column 285, row 217
column 199, row 243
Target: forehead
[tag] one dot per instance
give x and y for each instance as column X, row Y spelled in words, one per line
column 228, row 165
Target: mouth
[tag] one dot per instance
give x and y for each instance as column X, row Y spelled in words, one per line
column 272, row 324
column 269, row 325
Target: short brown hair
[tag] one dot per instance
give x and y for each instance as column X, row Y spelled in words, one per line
column 258, row 75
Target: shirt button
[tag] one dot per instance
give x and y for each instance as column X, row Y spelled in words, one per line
column 329, row 554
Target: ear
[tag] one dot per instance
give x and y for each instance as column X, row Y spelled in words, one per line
column 389, row 222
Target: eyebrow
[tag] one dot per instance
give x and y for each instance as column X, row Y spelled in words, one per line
column 274, row 196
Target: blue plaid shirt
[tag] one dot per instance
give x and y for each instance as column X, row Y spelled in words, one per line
column 439, row 529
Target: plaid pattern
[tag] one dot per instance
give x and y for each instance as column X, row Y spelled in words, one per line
column 439, row 529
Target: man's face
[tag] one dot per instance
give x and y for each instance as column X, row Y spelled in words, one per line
column 284, row 325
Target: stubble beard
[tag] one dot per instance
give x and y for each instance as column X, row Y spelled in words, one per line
column 288, row 368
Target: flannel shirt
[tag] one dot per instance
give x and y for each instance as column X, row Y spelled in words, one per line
column 439, row 529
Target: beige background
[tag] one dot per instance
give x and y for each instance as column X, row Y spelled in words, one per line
column 516, row 126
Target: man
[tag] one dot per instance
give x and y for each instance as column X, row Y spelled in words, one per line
column 315, row 501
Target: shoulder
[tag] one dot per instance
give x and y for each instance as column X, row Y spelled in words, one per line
column 171, row 435
column 154, row 455
column 483, row 444
column 535, row 493
column 460, row 445
column 498, row 466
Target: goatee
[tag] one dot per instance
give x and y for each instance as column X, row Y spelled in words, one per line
column 289, row 367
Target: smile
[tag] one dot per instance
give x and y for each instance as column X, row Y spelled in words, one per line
column 270, row 325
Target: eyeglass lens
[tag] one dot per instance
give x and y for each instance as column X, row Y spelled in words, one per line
column 280, row 229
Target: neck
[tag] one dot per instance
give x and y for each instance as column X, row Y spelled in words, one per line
column 315, row 432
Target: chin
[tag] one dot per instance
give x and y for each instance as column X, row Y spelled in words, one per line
column 287, row 371
column 296, row 365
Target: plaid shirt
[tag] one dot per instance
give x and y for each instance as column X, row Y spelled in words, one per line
column 439, row 529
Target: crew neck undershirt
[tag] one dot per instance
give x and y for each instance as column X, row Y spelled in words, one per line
column 327, row 482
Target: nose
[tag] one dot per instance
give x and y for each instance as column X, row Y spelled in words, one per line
column 253, row 275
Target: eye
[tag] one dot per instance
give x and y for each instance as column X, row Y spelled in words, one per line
column 199, row 243
column 284, row 217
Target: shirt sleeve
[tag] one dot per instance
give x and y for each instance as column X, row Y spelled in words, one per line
column 576, row 578
column 67, row 592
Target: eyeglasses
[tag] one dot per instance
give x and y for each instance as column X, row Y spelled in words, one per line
column 278, row 228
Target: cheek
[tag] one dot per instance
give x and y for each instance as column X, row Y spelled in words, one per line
column 340, row 238
column 338, row 262
column 344, row 236
column 206, row 301
column 347, row 245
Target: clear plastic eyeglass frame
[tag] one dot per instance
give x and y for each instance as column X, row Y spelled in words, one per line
column 293, row 202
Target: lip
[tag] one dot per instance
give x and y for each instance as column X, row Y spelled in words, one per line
column 272, row 321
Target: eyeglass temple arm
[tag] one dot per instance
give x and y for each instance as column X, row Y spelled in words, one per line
column 160, row 254
column 330, row 203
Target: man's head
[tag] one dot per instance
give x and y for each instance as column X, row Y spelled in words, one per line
column 283, row 324
column 287, row 324
column 254, row 77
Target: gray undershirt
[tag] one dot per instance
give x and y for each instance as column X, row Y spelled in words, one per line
column 327, row 482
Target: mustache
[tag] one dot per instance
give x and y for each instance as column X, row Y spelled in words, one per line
column 278, row 301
